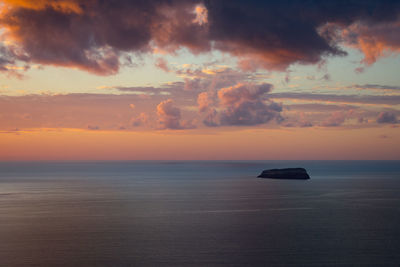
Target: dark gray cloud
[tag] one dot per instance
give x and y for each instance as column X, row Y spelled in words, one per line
column 279, row 33
column 387, row 117
column 95, row 35
column 6, row 58
column 8, row 61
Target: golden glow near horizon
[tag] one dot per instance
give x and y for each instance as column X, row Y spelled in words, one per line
column 263, row 144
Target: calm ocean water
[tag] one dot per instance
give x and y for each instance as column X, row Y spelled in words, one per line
column 199, row 213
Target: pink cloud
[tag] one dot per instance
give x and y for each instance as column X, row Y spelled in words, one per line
column 162, row 64
column 169, row 115
column 205, row 100
column 242, row 92
column 141, row 120
column 244, row 104
column 211, row 119
column 337, row 118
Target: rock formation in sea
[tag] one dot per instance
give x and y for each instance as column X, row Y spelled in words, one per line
column 289, row 173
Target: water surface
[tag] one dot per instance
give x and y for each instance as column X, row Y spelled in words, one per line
column 199, row 213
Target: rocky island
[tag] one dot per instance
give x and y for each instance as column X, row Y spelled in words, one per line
column 288, row 173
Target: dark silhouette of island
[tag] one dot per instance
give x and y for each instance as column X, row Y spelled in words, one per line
column 289, row 173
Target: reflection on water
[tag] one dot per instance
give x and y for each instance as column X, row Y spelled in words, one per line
column 198, row 213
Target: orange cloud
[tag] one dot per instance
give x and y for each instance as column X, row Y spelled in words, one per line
column 201, row 14
column 66, row 6
column 205, row 100
column 374, row 41
column 278, row 59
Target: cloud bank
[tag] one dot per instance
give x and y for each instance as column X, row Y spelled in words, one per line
column 101, row 36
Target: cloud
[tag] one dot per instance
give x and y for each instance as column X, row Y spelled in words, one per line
column 331, row 115
column 169, row 115
column 241, row 105
column 243, row 92
column 360, row 99
column 299, row 120
column 376, row 87
column 250, row 113
column 318, row 107
column 100, row 36
column 94, row 35
column 270, row 35
column 202, row 78
column 141, row 120
column 8, row 61
column 6, row 58
column 337, row 118
column 205, row 100
column 197, row 79
column 374, row 40
column 326, row 77
column 274, row 34
column 66, row 6
column 244, row 105
column 211, row 118
column 387, row 117
column 162, row 64
column 201, row 14
column 304, row 123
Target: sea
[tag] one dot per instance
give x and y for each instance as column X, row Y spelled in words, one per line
column 199, row 213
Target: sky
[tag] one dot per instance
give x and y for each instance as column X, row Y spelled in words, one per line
column 199, row 80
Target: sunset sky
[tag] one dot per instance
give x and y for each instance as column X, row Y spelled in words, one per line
column 183, row 80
